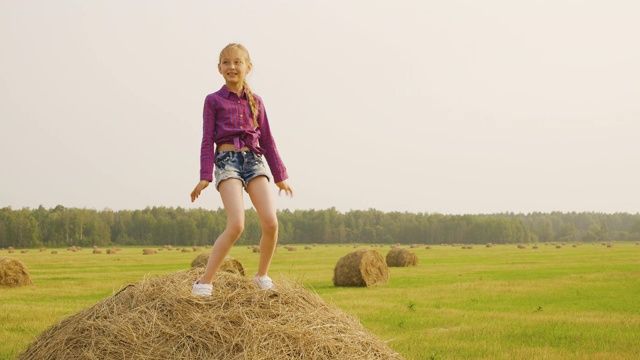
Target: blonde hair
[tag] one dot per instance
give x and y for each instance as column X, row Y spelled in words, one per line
column 252, row 100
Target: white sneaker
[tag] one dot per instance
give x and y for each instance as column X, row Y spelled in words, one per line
column 201, row 289
column 264, row 282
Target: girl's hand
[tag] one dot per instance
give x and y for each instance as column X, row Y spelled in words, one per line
column 284, row 186
column 196, row 192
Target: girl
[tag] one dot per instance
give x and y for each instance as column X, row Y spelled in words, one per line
column 236, row 135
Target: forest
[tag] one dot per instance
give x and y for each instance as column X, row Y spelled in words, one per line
column 62, row 227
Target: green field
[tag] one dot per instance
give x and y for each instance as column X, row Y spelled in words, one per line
column 483, row 303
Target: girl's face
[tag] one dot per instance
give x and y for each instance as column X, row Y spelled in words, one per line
column 234, row 66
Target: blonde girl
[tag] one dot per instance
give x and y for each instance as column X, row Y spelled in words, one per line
column 236, row 137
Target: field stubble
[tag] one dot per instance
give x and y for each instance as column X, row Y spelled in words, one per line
column 484, row 303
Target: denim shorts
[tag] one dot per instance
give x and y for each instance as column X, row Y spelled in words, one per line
column 242, row 165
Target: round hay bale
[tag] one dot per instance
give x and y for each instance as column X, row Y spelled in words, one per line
column 308, row 247
column 24, row 251
column 229, row 264
column 97, row 251
column 186, row 250
column 399, row 257
column 13, row 273
column 256, row 249
column 149, row 252
column 54, row 251
column 158, row 318
column 361, row 268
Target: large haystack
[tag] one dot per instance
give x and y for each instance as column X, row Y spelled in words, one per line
column 159, row 319
column 229, row 264
column 13, row 273
column 401, row 257
column 361, row 268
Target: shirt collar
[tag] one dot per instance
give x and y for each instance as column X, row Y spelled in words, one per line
column 226, row 93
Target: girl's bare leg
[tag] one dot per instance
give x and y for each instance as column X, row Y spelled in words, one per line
column 231, row 194
column 262, row 200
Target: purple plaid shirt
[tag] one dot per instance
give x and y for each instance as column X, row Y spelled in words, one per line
column 227, row 120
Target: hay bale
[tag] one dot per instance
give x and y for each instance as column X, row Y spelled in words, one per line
column 13, row 273
column 158, row 318
column 54, row 251
column 24, row 251
column 229, row 264
column 256, row 249
column 97, row 251
column 149, row 252
column 361, row 268
column 399, row 257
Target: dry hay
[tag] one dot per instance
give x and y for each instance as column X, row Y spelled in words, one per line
column 97, row 251
column 54, row 251
column 361, row 268
column 24, row 251
column 149, row 252
column 186, row 250
column 401, row 257
column 13, row 273
column 158, row 318
column 229, row 264
column 308, row 247
column 256, row 249
column 291, row 248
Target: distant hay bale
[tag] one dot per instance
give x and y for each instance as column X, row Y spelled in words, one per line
column 229, row 264
column 291, row 248
column 13, row 273
column 149, row 252
column 43, row 249
column 361, row 268
column 401, row 257
column 54, row 251
column 158, row 318
column 308, row 247
column 558, row 246
column 256, row 249
column 186, row 250
column 97, row 251
column 24, row 251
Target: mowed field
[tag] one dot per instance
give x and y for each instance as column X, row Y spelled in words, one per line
column 483, row 303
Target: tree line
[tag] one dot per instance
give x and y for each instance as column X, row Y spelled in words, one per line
column 62, row 227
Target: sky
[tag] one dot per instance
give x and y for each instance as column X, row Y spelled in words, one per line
column 452, row 107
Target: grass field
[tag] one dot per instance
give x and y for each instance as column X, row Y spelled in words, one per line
column 484, row 303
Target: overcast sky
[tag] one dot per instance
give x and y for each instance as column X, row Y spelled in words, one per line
column 476, row 106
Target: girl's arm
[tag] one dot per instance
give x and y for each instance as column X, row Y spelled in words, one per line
column 207, row 148
column 276, row 165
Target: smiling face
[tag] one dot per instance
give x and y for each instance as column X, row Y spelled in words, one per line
column 234, row 66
